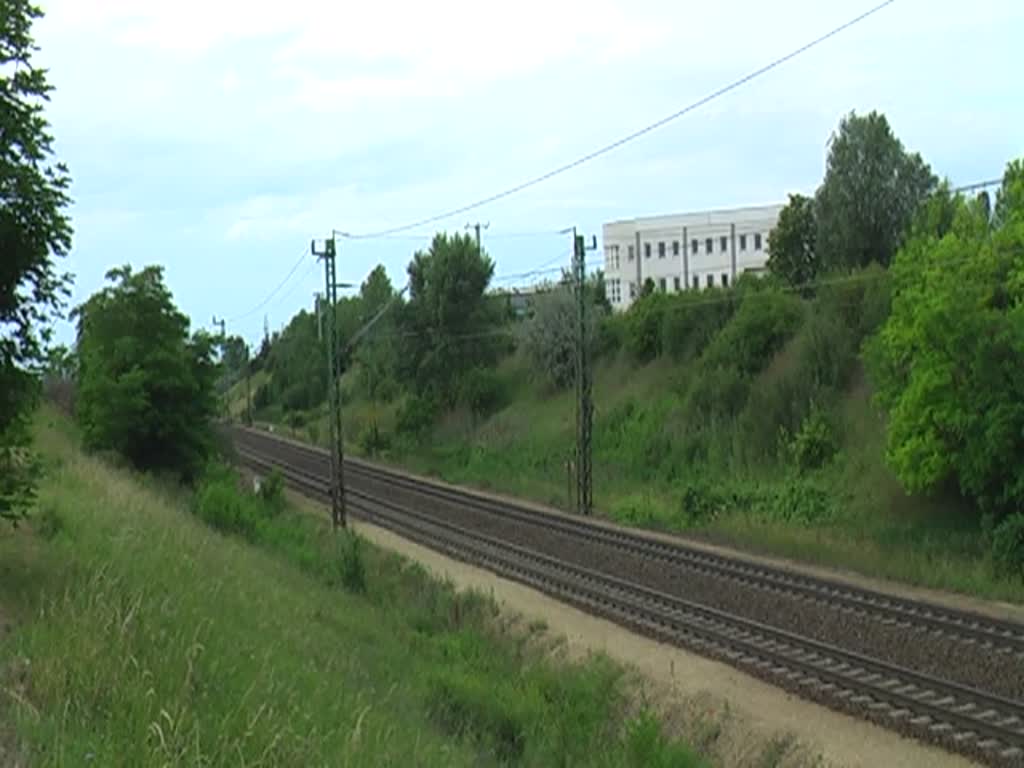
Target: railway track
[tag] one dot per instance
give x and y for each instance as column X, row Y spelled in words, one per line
column 962, row 719
column 993, row 635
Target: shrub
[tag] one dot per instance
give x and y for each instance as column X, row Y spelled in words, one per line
column 351, row 564
column 221, row 504
column 372, row 441
column 815, row 443
column 701, row 502
column 464, row 705
column 1008, row 546
column 647, row 746
column 691, row 320
column 481, row 392
column 417, row 415
column 272, row 491
column 763, row 323
column 643, row 326
column 49, row 522
column 801, row 502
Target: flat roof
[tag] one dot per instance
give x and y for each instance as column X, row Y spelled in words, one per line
column 655, row 219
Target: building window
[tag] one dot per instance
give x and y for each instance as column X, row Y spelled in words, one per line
column 724, row 242
column 675, row 247
column 743, row 242
column 647, row 250
column 676, row 282
column 696, row 282
column 614, row 287
column 693, row 246
column 757, row 241
column 725, row 280
column 632, row 293
column 710, row 280
column 629, row 253
column 709, row 245
column 661, row 250
column 661, row 284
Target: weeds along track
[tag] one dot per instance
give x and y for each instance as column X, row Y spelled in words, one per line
column 972, row 719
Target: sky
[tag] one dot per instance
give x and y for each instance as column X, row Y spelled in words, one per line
column 218, row 137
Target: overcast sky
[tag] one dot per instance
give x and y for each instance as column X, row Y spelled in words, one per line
column 216, row 137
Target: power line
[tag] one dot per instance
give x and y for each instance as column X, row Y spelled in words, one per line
column 499, row 235
column 629, row 137
column 271, row 295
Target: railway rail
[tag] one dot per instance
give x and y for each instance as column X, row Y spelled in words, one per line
column 998, row 636
column 961, row 718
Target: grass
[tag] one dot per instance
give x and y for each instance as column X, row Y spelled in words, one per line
column 146, row 637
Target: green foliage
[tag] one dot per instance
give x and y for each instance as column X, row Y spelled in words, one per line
column 792, row 242
column 450, row 314
column 145, row 387
column 692, row 319
column 351, row 564
column 644, row 326
column 372, row 441
column 272, row 491
column 34, row 231
column 416, row 415
column 762, row 324
column 949, row 362
column 481, row 392
column 648, row 747
column 815, row 442
column 549, row 336
column 1008, row 547
column 871, row 193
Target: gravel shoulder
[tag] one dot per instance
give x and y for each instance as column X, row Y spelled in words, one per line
column 735, row 719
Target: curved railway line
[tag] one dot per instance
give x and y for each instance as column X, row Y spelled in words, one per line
column 977, row 722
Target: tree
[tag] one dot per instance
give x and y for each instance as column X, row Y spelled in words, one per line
column 377, row 351
column 549, row 337
column 871, row 191
column 448, row 316
column 792, row 242
column 948, row 364
column 145, row 388
column 34, row 231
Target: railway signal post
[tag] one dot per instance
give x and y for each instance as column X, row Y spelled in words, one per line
column 328, row 254
column 584, row 382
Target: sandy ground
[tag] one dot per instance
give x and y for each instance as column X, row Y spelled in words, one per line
column 735, row 718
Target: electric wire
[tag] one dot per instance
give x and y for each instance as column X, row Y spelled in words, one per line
column 629, row 137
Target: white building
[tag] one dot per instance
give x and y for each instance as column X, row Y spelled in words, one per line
column 688, row 251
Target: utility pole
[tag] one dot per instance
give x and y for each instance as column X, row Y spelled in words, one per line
column 333, row 392
column 584, row 383
column 224, row 404
column 477, row 227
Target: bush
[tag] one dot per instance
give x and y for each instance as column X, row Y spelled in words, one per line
column 272, row 491
column 417, row 415
column 351, row 565
column 1008, row 546
column 466, row 706
column 481, row 392
column 691, row 320
column 643, row 326
column 372, row 441
column 815, row 443
column 763, row 323
column 801, row 502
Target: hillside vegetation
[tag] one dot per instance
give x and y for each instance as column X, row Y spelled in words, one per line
column 861, row 406
column 146, row 637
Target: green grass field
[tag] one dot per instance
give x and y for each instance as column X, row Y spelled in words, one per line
column 145, row 637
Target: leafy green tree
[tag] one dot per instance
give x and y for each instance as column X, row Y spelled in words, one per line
column 871, row 192
column 448, row 316
column 145, row 387
column 791, row 243
column 297, row 364
column 378, row 349
column 34, row 231
column 949, row 362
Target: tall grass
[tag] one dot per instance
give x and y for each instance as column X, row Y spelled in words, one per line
column 150, row 638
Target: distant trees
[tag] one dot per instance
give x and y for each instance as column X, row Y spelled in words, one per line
column 34, row 232
column 448, row 317
column 145, row 387
column 791, row 243
column 949, row 362
column 871, row 192
column 863, row 209
column 549, row 336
